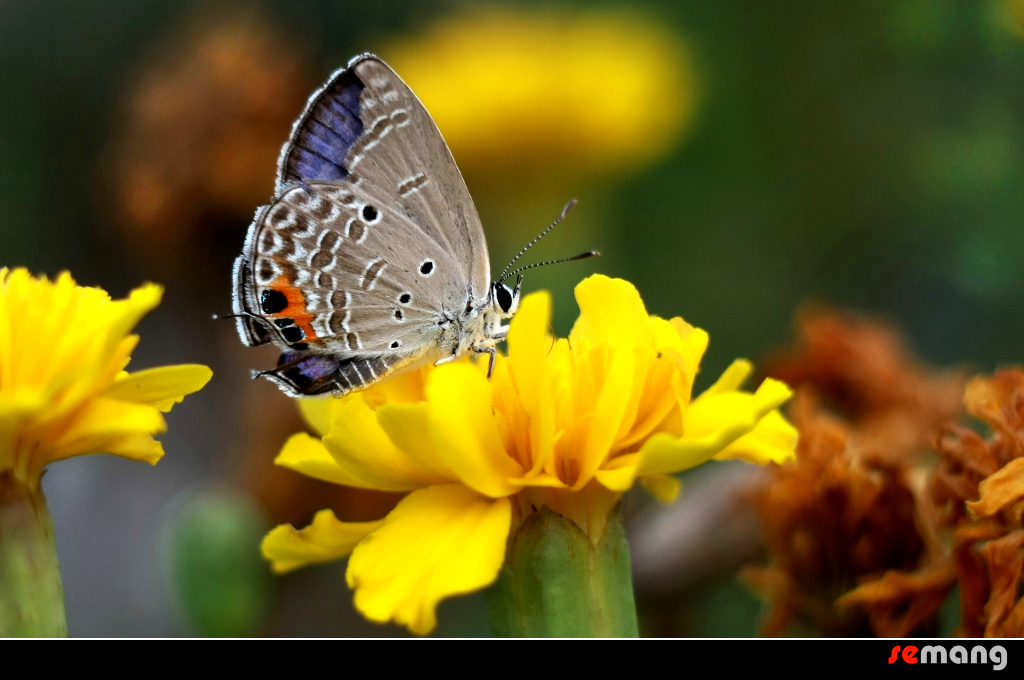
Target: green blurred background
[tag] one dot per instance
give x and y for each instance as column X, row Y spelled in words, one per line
column 862, row 154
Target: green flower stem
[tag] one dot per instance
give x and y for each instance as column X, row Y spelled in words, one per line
column 557, row 583
column 31, row 593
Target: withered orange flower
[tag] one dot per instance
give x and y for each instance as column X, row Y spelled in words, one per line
column 854, row 504
column 864, row 372
column 203, row 127
column 978, row 492
column 829, row 519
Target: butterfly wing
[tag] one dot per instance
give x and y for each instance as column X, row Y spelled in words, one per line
column 372, row 245
column 333, row 270
column 366, row 127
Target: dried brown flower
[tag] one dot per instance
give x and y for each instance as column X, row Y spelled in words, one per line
column 863, row 371
column 854, row 506
column 829, row 519
column 204, row 124
column 977, row 491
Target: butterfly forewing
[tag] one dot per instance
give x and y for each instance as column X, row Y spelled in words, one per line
column 367, row 127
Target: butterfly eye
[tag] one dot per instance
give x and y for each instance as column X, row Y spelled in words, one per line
column 504, row 296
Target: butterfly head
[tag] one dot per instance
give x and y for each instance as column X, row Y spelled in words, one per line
column 505, row 300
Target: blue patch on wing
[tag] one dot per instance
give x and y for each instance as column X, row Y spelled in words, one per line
column 307, row 373
column 325, row 132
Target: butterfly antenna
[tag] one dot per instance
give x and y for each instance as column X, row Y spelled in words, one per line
column 565, row 211
column 581, row 256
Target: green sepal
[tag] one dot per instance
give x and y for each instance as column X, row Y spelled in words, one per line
column 556, row 583
column 31, row 591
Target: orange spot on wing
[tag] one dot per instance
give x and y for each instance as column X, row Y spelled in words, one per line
column 296, row 309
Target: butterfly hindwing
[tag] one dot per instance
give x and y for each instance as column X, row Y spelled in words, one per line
column 336, row 265
column 308, row 373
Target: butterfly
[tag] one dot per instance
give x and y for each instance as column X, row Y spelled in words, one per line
column 371, row 259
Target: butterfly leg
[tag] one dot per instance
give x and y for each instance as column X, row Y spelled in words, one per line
column 487, row 350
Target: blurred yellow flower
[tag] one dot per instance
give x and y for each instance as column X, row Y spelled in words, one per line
column 63, row 388
column 567, row 423
column 1012, row 16
column 523, row 94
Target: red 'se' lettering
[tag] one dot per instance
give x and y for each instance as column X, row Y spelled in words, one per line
column 910, row 654
column 895, row 654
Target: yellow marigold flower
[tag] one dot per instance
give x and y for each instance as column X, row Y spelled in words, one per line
column 569, row 424
column 518, row 93
column 63, row 388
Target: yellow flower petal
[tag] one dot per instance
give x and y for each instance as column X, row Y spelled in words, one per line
column 408, row 425
column 620, row 473
column 712, row 424
column 732, row 379
column 611, row 311
column 463, row 428
column 772, row 441
column 141, row 447
column 615, row 398
column 666, row 454
column 715, row 408
column 102, row 421
column 140, row 302
column 541, row 479
column 695, row 343
column 367, row 455
column 405, row 388
column 529, row 344
column 316, row 411
column 663, row 487
column 16, row 407
column 309, row 456
column 161, row 387
column 325, row 540
column 438, row 542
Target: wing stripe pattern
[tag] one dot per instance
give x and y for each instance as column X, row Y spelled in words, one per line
column 313, row 374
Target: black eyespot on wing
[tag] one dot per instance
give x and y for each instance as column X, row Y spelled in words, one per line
column 273, row 301
column 405, row 298
column 504, row 296
column 398, row 314
column 293, row 334
column 281, row 323
column 369, row 213
column 427, row 267
column 394, row 345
